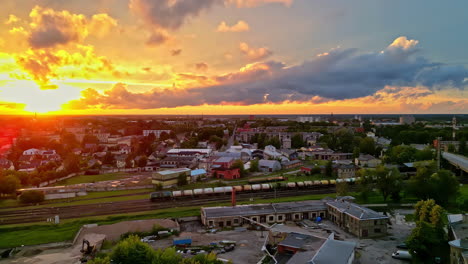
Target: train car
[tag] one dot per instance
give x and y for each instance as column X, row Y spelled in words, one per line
column 339, row 180
column 256, row 187
column 218, row 190
column 177, row 194
column 266, row 186
column 157, row 196
column 267, row 179
column 198, row 192
column 227, row 189
column 333, row 182
column 187, row 193
column 324, row 182
column 238, row 188
column 208, row 191
column 317, row 183
column 300, row 185
column 308, row 184
column 247, row 188
column 291, row 185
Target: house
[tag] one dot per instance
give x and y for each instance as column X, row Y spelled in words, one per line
column 32, row 151
column 6, row 164
column 221, row 168
column 157, row 133
column 121, row 160
column 269, row 165
column 124, row 149
column 367, row 161
column 199, row 153
column 289, row 153
column 168, row 178
column 270, row 152
column 458, row 236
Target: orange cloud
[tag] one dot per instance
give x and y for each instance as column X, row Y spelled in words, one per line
column 253, row 53
column 240, row 26
column 202, row 66
column 255, row 3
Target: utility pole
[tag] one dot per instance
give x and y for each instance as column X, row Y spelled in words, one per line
column 438, row 152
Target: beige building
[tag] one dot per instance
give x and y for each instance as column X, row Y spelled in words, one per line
column 353, row 218
column 168, row 178
column 357, row 220
column 458, row 234
column 368, row 161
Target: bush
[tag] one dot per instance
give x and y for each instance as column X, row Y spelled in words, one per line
column 32, row 196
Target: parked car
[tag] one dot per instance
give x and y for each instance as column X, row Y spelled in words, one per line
column 401, row 254
column 402, row 246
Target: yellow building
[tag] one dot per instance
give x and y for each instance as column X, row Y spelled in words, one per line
column 168, row 178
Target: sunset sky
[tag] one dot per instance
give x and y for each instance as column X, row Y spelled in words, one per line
column 233, row 56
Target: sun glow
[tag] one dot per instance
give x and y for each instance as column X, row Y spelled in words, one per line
column 36, row 99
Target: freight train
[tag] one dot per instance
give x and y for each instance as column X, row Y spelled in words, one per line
column 263, row 187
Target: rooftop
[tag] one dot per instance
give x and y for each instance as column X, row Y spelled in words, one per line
column 302, row 241
column 263, row 209
column 355, row 210
column 334, row 252
column 176, row 170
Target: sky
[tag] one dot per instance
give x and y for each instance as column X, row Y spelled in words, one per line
column 233, row 56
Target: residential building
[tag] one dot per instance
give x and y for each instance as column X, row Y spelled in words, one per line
column 221, row 168
column 199, row 153
column 168, row 178
column 6, row 164
column 178, row 162
column 291, row 164
column 367, row 161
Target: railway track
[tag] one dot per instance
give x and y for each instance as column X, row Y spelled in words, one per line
column 142, row 205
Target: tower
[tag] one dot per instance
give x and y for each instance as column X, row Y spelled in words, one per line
column 454, row 127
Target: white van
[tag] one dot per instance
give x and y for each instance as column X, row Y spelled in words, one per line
column 401, row 254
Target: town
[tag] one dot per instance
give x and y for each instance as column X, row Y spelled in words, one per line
column 237, row 189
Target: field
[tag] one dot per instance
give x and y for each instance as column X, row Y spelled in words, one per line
column 92, row 178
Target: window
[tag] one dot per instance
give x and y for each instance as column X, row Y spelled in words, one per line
column 375, row 222
column 228, row 223
column 280, row 218
column 377, row 230
column 236, row 221
column 271, row 218
column 210, row 223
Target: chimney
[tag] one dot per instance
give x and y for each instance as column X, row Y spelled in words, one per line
column 233, row 197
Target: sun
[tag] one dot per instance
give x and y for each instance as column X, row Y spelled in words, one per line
column 37, row 100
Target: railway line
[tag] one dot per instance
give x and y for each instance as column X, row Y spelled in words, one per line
column 142, row 205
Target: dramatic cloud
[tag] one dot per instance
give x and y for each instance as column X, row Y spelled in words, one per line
column 255, row 3
column 394, row 74
column 49, row 28
column 241, row 26
column 202, row 66
column 253, row 53
column 45, row 64
column 167, row 15
column 12, row 19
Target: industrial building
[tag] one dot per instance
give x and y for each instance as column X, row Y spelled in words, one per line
column 357, row 220
column 168, row 178
column 353, row 218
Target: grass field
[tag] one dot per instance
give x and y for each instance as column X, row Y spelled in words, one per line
column 92, row 178
column 103, row 197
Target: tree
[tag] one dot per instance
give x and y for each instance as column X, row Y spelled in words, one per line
column 445, row 187
column 254, row 165
column 329, row 169
column 9, row 184
column 142, row 161
column 367, row 146
column 32, row 197
column 297, row 142
column 182, row 179
column 72, row 163
column 428, row 238
column 239, row 165
column 109, row 158
column 462, row 147
column 131, row 251
column 342, row 188
column 388, row 182
column 274, row 141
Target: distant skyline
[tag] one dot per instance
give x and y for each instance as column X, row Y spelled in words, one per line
column 104, row 57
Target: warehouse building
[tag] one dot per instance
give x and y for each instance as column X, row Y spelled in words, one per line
column 353, row 218
column 262, row 213
column 168, row 178
column 357, row 220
